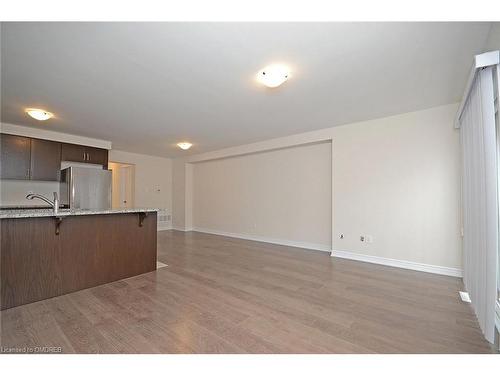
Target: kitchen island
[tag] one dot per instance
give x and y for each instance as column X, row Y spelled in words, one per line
column 43, row 255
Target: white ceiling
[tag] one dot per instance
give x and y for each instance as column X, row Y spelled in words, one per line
column 147, row 86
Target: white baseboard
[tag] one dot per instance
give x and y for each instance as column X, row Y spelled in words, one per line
column 164, row 226
column 304, row 245
column 179, row 228
column 440, row 270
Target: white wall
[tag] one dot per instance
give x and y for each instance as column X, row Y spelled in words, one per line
column 396, row 179
column 282, row 195
column 153, row 178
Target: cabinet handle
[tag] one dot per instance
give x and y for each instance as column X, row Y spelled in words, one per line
column 84, row 156
column 88, row 156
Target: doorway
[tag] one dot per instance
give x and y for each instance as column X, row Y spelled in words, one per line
column 123, row 184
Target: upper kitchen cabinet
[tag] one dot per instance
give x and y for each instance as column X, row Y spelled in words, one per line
column 24, row 158
column 97, row 156
column 45, row 160
column 16, row 157
column 70, row 152
column 84, row 154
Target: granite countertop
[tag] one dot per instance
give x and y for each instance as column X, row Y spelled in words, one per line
column 23, row 213
column 24, row 207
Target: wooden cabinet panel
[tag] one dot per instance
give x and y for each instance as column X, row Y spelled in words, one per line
column 45, row 160
column 97, row 156
column 84, row 154
column 70, row 152
column 15, row 157
column 29, row 261
column 24, row 158
column 91, row 250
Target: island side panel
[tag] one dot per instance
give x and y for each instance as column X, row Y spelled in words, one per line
column 90, row 250
column 30, row 261
column 108, row 249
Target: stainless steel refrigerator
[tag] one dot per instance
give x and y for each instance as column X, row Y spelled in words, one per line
column 85, row 188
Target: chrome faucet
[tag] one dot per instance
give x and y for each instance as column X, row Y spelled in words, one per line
column 54, row 204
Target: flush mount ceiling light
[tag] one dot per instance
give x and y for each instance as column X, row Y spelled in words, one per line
column 184, row 145
column 273, row 75
column 39, row 114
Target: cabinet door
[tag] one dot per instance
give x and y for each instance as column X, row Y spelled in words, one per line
column 70, row 152
column 97, row 156
column 15, row 157
column 45, row 160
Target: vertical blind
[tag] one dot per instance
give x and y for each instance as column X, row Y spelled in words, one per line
column 480, row 198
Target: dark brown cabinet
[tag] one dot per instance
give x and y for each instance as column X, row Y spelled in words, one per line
column 84, row 154
column 15, row 157
column 24, row 158
column 70, row 152
column 97, row 156
column 45, row 160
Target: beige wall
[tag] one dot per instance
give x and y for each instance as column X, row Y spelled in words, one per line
column 395, row 179
column 178, row 194
column 153, row 178
column 398, row 179
column 279, row 195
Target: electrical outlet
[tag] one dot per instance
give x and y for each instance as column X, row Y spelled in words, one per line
column 362, row 238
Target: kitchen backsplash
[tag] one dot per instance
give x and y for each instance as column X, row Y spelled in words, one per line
column 13, row 192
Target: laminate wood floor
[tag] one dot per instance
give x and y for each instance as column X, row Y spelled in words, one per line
column 225, row 295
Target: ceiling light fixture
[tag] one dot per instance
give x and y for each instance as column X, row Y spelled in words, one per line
column 184, row 145
column 39, row 114
column 273, row 75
